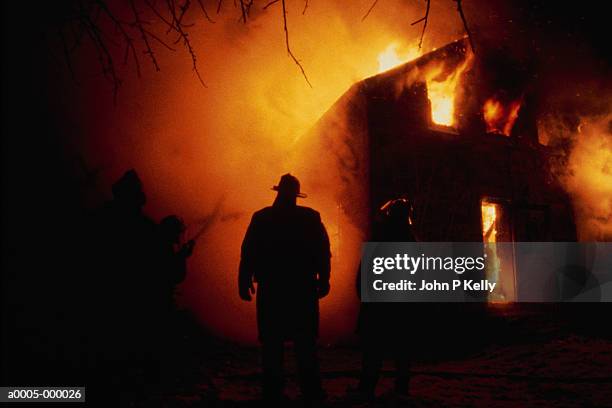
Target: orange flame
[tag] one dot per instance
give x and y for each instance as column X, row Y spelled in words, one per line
column 442, row 94
column 490, row 212
column 499, row 118
column 390, row 58
column 489, row 218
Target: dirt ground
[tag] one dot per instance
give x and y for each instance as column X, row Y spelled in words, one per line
column 539, row 366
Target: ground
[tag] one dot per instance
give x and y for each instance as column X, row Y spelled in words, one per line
column 540, row 365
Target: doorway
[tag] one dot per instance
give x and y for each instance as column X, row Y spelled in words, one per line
column 497, row 236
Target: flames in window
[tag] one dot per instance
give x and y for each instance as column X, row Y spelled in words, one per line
column 490, row 212
column 442, row 92
column 500, row 117
column 442, row 86
column 489, row 217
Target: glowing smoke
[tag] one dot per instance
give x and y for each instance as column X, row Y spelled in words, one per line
column 588, row 177
column 200, row 149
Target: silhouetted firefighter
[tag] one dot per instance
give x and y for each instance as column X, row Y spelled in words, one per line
column 124, row 254
column 171, row 271
column 286, row 251
column 172, row 258
column 382, row 326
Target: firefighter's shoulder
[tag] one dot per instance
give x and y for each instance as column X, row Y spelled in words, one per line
column 308, row 212
column 262, row 212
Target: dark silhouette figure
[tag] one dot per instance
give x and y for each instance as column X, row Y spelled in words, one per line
column 286, row 252
column 378, row 326
column 132, row 241
column 124, row 254
column 173, row 256
column 171, row 270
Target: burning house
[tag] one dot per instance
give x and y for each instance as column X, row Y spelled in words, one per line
column 461, row 142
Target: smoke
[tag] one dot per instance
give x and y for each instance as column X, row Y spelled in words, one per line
column 211, row 155
column 585, row 170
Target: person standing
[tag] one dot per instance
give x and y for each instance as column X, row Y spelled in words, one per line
column 172, row 260
column 379, row 332
column 286, row 253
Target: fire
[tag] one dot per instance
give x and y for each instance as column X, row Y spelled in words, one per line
column 588, row 177
column 490, row 212
column 441, row 91
column 499, row 118
column 442, row 94
column 390, row 58
column 489, row 216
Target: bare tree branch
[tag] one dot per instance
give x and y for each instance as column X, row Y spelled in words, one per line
column 62, row 37
column 184, row 9
column 104, row 56
column 369, row 10
column 186, row 41
column 418, row 21
column 270, row 4
column 167, row 22
column 145, row 38
column 138, row 32
column 205, row 12
column 425, row 20
column 128, row 40
column 297, row 62
column 465, row 25
column 159, row 40
column 243, row 10
column 78, row 35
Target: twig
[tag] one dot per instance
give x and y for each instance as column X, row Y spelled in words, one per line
column 184, row 9
column 418, row 21
column 465, row 25
column 186, row 41
column 60, row 32
column 270, row 3
column 78, row 35
column 287, row 44
column 171, row 7
column 128, row 40
column 84, row 22
column 248, row 6
column 144, row 36
column 104, row 56
column 243, row 11
column 369, row 10
column 159, row 40
column 167, row 22
column 205, row 12
column 425, row 19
